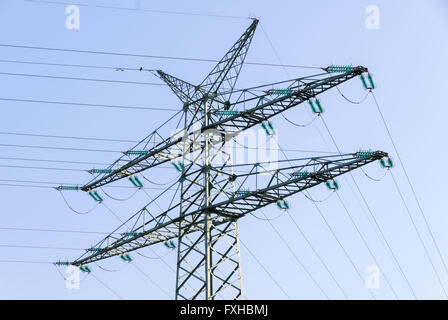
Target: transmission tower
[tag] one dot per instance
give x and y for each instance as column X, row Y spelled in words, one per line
column 214, row 196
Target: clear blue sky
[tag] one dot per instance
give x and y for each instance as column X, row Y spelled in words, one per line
column 407, row 57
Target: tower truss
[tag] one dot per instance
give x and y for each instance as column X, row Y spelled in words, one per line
column 215, row 192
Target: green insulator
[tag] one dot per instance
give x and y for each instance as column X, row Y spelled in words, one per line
column 92, row 195
column 372, row 84
column 133, row 182
column 137, row 152
column 85, row 269
column 363, row 154
column 364, row 83
column 101, row 170
column 139, row 183
column 313, row 108
column 263, row 124
column 125, row 257
column 268, row 128
column 270, row 125
column 177, row 165
column 280, row 92
column 332, row 185
column 319, row 106
column 279, row 204
column 98, row 196
column 390, row 162
column 76, row 188
column 300, row 174
column 242, row 193
column 227, row 112
column 339, row 68
column 386, row 163
column 130, row 234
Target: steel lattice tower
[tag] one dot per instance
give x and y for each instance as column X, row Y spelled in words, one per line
column 213, row 194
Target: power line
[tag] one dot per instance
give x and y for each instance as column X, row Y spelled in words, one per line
column 287, row 73
column 150, row 279
column 295, row 256
column 331, row 230
column 317, row 255
column 51, row 185
column 142, row 10
column 63, row 137
column 74, row 65
column 322, row 137
column 409, row 182
column 117, row 151
column 418, row 234
column 55, row 161
column 325, row 142
column 373, row 216
column 341, row 246
column 78, row 104
column 42, row 168
column 366, row 244
column 106, row 286
column 265, row 270
column 25, row 261
column 58, row 148
column 37, row 247
column 24, row 186
column 52, row 230
column 79, row 79
column 147, row 56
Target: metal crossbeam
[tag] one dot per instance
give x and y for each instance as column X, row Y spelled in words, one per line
column 253, row 108
column 278, row 184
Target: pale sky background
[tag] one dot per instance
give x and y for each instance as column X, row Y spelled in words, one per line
column 406, row 56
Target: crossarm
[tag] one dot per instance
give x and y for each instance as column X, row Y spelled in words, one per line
column 144, row 229
column 262, row 107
